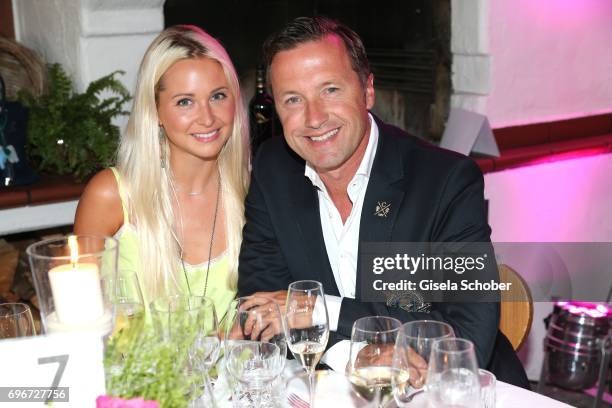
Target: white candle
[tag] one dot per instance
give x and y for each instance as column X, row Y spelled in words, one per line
column 76, row 293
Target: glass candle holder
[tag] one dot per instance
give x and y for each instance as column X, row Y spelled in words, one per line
column 73, row 277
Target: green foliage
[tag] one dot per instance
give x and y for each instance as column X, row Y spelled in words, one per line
column 72, row 133
column 139, row 364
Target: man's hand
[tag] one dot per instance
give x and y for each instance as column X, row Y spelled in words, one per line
column 382, row 355
column 375, row 355
column 257, row 319
column 417, row 367
column 279, row 297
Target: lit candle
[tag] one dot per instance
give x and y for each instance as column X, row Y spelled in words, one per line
column 76, row 290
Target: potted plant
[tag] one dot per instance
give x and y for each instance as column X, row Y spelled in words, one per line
column 71, row 133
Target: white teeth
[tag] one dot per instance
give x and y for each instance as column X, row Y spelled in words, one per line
column 324, row 136
column 205, row 135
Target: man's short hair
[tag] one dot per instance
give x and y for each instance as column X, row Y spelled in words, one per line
column 305, row 29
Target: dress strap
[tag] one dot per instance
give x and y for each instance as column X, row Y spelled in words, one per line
column 126, row 218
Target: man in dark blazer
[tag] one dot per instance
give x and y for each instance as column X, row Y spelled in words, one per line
column 339, row 161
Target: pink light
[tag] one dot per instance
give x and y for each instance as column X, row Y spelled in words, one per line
column 568, row 12
column 572, row 155
column 594, row 310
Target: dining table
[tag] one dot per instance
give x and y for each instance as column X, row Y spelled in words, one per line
column 334, row 391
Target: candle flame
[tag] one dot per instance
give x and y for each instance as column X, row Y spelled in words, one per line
column 74, row 249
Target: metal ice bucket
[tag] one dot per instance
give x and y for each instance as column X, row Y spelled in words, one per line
column 573, row 344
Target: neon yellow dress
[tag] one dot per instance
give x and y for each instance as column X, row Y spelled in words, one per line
column 218, row 289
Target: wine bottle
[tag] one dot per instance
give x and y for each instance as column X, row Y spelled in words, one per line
column 261, row 113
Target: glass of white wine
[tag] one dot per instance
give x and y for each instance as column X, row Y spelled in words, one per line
column 307, row 326
column 127, row 301
column 370, row 368
column 128, row 316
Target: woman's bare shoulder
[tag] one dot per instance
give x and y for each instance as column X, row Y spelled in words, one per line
column 100, row 210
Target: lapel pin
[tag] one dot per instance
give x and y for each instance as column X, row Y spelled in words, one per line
column 382, row 209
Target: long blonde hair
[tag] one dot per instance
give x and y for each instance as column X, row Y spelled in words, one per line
column 148, row 184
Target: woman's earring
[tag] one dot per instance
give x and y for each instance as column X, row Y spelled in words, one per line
column 162, row 146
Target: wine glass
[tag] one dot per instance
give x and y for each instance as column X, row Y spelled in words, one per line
column 412, row 351
column 16, row 321
column 452, row 375
column 255, row 319
column 128, row 316
column 370, row 367
column 255, row 365
column 190, row 322
column 307, row 326
column 128, row 302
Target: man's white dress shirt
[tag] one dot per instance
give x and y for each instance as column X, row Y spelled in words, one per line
column 342, row 239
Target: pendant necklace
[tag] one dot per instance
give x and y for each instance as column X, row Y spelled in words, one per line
column 212, row 237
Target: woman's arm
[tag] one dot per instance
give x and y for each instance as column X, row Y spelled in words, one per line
column 100, row 211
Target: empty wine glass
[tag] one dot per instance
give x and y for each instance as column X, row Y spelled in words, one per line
column 16, row 321
column 452, row 376
column 190, row 322
column 411, row 356
column 307, row 326
column 256, row 319
column 255, row 365
column 487, row 388
column 370, row 367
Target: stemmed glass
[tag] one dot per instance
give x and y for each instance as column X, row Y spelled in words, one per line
column 452, row 376
column 190, row 322
column 412, row 351
column 255, row 365
column 127, row 301
column 16, row 321
column 254, row 327
column 370, row 368
column 128, row 316
column 307, row 326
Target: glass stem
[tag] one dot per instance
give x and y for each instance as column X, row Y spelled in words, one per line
column 311, row 387
column 377, row 398
column 208, row 391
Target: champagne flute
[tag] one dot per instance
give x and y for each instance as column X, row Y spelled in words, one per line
column 307, row 326
column 412, row 351
column 370, row 368
column 452, row 375
column 16, row 321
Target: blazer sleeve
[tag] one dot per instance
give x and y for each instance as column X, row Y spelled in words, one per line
column 460, row 217
column 262, row 266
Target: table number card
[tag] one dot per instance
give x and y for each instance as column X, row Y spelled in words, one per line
column 66, row 368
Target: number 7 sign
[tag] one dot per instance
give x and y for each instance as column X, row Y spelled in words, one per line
column 65, row 369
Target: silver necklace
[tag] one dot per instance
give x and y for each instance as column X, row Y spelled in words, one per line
column 212, row 237
column 190, row 193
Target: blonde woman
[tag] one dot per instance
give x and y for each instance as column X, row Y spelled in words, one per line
column 175, row 198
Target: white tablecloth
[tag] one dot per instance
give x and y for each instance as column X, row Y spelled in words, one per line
column 335, row 392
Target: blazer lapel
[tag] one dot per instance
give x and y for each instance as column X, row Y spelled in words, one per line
column 384, row 196
column 306, row 209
